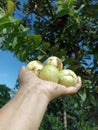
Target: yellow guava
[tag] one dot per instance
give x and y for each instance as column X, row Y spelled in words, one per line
column 53, row 60
column 35, row 66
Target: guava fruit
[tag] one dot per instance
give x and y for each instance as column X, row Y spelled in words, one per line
column 35, row 66
column 49, row 73
column 67, row 77
column 53, row 60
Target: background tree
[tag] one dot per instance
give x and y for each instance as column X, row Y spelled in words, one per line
column 67, row 29
column 5, row 95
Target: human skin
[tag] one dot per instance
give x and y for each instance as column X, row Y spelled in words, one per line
column 26, row 109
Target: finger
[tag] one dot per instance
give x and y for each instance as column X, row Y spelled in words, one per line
column 79, row 80
column 79, row 83
column 25, row 71
column 22, row 69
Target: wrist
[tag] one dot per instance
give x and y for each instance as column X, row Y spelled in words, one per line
column 35, row 90
column 29, row 102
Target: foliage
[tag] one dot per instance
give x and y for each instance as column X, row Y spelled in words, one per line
column 82, row 112
column 54, row 116
column 4, row 95
column 51, row 122
column 67, row 29
column 12, row 33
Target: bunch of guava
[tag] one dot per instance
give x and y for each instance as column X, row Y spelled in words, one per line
column 52, row 70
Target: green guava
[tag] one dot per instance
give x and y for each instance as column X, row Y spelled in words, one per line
column 67, row 78
column 49, row 73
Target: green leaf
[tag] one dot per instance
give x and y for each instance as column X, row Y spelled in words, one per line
column 81, row 7
column 70, row 3
column 23, row 29
column 59, row 2
column 83, row 95
column 13, row 20
column 1, row 39
column 4, row 20
column 94, row 101
column 37, row 39
column 2, row 12
column 4, row 31
column 14, row 42
column 10, row 6
column 62, row 10
column 45, row 46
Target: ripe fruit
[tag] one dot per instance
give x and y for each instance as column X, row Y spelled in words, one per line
column 50, row 73
column 67, row 78
column 35, row 66
column 53, row 60
column 53, row 71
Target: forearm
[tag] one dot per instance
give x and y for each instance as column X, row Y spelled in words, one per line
column 25, row 111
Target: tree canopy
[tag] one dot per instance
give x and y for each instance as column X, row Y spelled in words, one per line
column 64, row 28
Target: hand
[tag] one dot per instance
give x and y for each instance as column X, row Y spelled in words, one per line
column 52, row 90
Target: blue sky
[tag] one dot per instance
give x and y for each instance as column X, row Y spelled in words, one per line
column 10, row 65
column 9, row 68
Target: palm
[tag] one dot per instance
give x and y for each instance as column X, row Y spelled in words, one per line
column 53, row 90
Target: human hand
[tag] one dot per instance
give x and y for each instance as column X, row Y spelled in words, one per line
column 52, row 90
